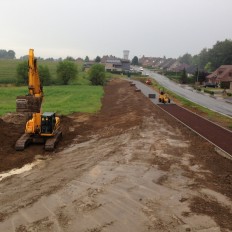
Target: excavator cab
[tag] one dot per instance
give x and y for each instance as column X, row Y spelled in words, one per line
column 48, row 122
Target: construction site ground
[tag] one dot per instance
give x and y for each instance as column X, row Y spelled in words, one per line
column 129, row 167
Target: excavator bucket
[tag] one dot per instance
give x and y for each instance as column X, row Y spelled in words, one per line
column 28, row 104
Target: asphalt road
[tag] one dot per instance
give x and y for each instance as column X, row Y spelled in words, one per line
column 218, row 105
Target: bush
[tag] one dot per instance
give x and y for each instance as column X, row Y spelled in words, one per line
column 209, row 91
column 97, row 74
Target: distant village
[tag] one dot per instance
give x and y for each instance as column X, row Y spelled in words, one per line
column 219, row 77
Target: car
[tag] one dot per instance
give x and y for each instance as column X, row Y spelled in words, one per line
column 141, row 68
column 209, row 84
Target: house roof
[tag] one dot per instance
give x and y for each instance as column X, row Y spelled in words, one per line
column 222, row 74
column 167, row 63
column 113, row 61
column 180, row 67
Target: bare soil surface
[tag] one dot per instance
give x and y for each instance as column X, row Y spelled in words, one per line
column 130, row 167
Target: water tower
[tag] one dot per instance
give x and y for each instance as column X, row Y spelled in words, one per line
column 126, row 54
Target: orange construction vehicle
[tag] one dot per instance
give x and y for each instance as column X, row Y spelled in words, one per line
column 41, row 127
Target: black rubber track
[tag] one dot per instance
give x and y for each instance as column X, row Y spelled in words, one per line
column 214, row 133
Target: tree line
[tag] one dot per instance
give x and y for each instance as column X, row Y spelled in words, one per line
column 66, row 70
column 212, row 58
column 4, row 54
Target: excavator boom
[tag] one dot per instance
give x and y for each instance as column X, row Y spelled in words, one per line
column 32, row 102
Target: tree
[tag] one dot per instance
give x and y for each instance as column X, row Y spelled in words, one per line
column 86, row 59
column 66, row 70
column 135, row 61
column 184, row 77
column 203, row 58
column 44, row 74
column 200, row 76
column 22, row 73
column 70, row 58
column 98, row 59
column 186, row 59
column 221, row 53
column 208, row 67
column 11, row 54
column 7, row 54
column 97, row 74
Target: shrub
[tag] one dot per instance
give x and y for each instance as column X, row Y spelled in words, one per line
column 97, row 74
column 209, row 91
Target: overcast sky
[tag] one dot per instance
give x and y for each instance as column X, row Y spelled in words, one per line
column 61, row 28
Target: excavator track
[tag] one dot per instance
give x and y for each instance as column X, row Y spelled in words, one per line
column 50, row 143
column 22, row 142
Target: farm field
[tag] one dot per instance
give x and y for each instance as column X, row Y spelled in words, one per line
column 8, row 69
column 128, row 167
column 61, row 99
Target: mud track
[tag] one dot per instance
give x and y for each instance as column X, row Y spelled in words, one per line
column 130, row 167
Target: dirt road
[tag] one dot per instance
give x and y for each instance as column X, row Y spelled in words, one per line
column 129, row 167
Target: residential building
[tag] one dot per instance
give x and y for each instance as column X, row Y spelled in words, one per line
column 222, row 76
column 118, row 65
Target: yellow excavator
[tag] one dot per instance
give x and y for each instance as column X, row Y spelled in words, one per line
column 41, row 127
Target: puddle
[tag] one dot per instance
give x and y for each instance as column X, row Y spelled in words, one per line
column 25, row 168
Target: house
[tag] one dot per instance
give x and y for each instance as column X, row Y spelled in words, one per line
column 106, row 57
column 181, row 67
column 174, row 66
column 167, row 63
column 222, row 76
column 89, row 64
column 125, row 65
column 147, row 61
column 118, row 65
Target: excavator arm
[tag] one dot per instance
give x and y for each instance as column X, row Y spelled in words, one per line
column 31, row 103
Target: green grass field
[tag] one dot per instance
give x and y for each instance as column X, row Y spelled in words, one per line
column 8, row 69
column 60, row 99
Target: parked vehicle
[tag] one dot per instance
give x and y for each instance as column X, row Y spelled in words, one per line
column 209, row 84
